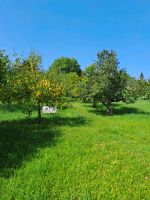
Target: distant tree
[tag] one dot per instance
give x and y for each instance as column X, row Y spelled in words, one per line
column 89, row 85
column 141, row 77
column 131, row 92
column 71, row 85
column 142, row 85
column 147, row 90
column 4, row 66
column 90, row 70
column 65, row 65
column 85, row 87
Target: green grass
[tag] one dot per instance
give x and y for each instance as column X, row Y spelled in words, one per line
column 78, row 153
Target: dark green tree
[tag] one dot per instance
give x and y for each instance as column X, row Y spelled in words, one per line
column 4, row 66
column 65, row 65
column 110, row 80
column 141, row 77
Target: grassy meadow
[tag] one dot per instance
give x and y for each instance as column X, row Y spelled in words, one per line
column 77, row 154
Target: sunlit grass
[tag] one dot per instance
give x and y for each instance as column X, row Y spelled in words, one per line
column 78, row 153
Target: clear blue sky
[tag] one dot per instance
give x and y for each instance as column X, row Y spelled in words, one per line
column 79, row 28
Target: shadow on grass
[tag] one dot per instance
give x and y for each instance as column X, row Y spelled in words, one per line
column 129, row 110
column 19, row 140
column 15, row 107
column 118, row 109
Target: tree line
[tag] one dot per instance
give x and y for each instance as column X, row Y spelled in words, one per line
column 24, row 81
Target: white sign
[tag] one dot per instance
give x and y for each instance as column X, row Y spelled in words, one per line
column 47, row 109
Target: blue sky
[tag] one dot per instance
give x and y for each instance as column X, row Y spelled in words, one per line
column 79, row 29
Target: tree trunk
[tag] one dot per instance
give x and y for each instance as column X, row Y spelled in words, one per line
column 39, row 111
column 109, row 110
column 10, row 107
column 84, row 100
column 94, row 102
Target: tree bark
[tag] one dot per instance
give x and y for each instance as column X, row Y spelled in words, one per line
column 109, row 110
column 94, row 102
column 39, row 111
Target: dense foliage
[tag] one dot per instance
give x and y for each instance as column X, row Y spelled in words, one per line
column 23, row 81
column 65, row 65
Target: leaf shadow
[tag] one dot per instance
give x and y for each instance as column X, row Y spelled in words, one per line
column 118, row 109
column 21, row 139
column 15, row 107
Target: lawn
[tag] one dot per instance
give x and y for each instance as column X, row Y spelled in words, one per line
column 78, row 153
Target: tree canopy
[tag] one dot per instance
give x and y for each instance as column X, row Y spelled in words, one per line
column 105, row 82
column 65, row 65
